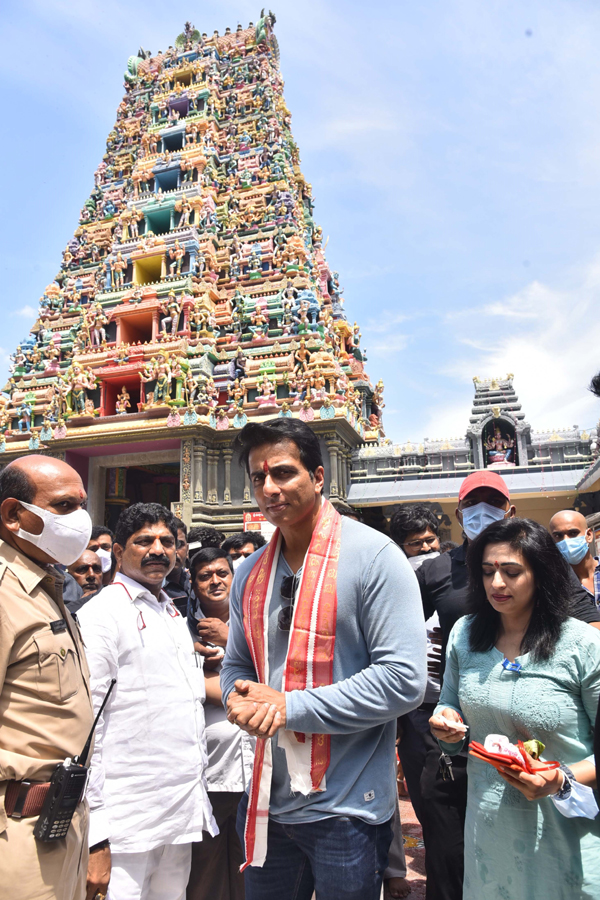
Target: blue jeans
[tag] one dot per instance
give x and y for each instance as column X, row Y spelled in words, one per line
column 340, row 858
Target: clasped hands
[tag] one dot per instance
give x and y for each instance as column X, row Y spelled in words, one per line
column 256, row 708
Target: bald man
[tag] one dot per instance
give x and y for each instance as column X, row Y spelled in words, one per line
column 87, row 572
column 573, row 538
column 45, row 703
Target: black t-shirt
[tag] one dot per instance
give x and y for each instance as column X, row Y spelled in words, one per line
column 443, row 582
column 179, row 589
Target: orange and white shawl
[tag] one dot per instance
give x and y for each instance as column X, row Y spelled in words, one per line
column 309, row 663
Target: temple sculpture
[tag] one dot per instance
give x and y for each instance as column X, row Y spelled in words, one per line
column 194, row 295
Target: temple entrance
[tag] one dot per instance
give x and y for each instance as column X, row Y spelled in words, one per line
column 139, row 484
column 147, row 473
column 499, row 444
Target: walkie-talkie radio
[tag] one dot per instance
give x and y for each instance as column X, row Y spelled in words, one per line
column 67, row 786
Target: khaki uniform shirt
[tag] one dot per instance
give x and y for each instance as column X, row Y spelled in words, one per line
column 45, row 704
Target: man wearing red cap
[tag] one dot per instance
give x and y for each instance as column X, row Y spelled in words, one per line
column 483, row 498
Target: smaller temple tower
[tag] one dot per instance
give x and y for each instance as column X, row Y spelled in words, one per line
column 497, row 432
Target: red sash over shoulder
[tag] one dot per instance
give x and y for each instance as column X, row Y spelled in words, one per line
column 309, row 664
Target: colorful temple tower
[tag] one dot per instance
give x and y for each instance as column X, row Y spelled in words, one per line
column 193, row 297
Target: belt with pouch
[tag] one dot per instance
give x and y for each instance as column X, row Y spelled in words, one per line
column 24, row 799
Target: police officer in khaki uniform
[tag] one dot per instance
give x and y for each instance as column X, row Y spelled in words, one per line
column 45, row 706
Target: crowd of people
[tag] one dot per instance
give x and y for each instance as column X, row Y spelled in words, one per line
column 258, row 703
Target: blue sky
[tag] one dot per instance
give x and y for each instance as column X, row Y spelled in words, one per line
column 454, row 152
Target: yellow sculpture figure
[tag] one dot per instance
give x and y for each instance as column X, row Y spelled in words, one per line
column 122, row 404
column 159, row 371
column 79, row 380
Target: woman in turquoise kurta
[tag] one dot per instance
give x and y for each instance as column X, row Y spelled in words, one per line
column 518, row 846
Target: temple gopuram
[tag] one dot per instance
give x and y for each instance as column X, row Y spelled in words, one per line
column 544, row 470
column 194, row 297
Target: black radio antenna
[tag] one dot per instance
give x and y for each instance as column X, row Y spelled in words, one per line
column 82, row 758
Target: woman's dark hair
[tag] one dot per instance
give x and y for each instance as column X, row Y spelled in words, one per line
column 552, row 589
column 208, row 555
column 16, row 483
column 277, row 431
column 137, row 515
column 239, row 540
column 414, row 517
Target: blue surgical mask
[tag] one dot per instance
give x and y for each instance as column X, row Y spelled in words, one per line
column 476, row 518
column 574, row 549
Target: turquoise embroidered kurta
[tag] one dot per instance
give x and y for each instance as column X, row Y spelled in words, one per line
column 516, row 849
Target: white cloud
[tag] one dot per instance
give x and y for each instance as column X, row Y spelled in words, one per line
column 548, row 341
column 26, row 312
column 384, row 323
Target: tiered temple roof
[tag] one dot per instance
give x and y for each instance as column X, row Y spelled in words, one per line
column 195, row 290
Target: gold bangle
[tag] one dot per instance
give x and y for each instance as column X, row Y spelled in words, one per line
column 99, row 896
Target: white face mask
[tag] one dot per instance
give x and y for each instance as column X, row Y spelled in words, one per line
column 476, row 518
column 63, row 538
column 417, row 561
column 105, row 559
column 238, row 562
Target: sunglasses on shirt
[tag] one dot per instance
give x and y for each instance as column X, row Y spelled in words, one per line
column 287, row 593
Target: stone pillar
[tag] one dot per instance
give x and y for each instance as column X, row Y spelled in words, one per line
column 522, row 448
column 186, row 481
column 155, row 323
column 247, row 489
column 211, row 483
column 227, row 456
column 199, row 462
column 333, row 467
column 344, row 472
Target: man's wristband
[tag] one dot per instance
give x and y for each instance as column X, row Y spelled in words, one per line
column 101, row 845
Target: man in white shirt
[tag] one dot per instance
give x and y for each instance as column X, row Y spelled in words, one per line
column 148, row 789
column 216, row 862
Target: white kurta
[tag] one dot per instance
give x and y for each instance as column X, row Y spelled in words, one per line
column 230, row 751
column 148, row 785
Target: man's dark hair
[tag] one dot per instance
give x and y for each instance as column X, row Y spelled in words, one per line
column 595, row 385
column 208, row 555
column 137, row 515
column 448, row 545
column 350, row 513
column 552, row 596
column 239, row 540
column 15, row 483
column 181, row 526
column 99, row 530
column 412, row 519
column 205, row 535
column 277, row 431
